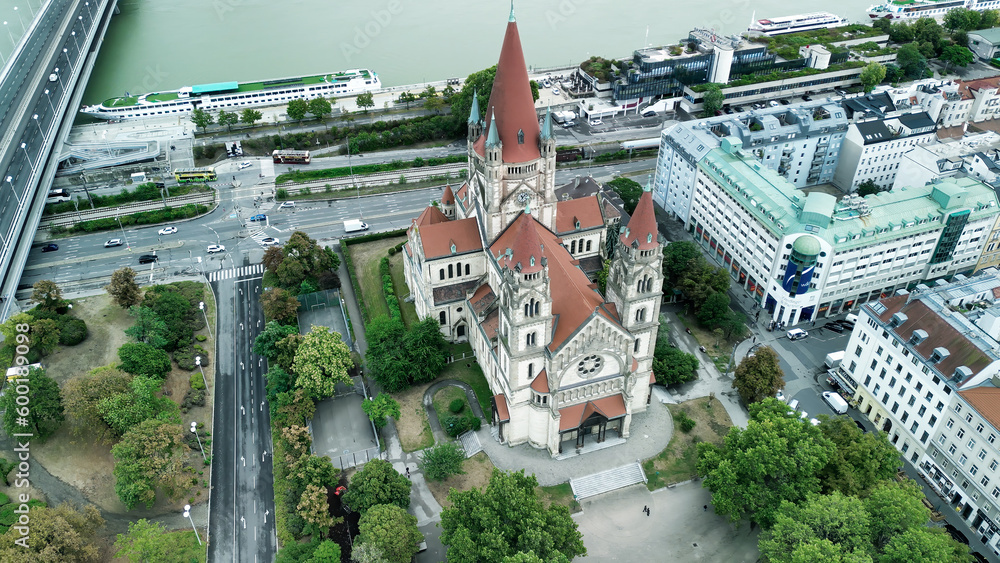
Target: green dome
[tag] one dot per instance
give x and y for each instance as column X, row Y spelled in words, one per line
column 807, row 245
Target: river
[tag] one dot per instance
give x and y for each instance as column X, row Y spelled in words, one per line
column 165, row 44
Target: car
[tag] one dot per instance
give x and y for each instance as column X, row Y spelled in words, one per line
column 51, row 247
column 596, row 122
column 772, row 103
column 546, row 83
column 245, row 164
column 797, row 334
column 834, row 327
column 167, row 231
column 269, row 241
column 147, row 259
column 113, row 242
column 286, row 205
column 860, row 426
column 849, row 325
column 740, row 109
column 780, row 396
column 259, row 217
column 806, row 97
column 569, row 124
column 555, row 91
column 727, row 110
column 216, row 248
column 783, row 102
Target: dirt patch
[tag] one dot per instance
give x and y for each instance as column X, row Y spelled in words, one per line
column 412, row 426
column 677, row 462
column 106, row 324
column 478, row 470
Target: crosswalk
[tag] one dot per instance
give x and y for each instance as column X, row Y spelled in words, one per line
column 241, row 272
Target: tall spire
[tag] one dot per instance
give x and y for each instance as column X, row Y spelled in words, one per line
column 641, row 228
column 493, row 137
column 474, row 113
column 547, row 125
column 511, row 18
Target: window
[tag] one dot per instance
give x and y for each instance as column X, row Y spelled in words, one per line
column 640, row 315
column 962, row 459
column 973, row 470
column 951, row 449
column 442, row 273
column 932, row 420
column 996, row 492
column 961, row 433
column 968, row 418
column 950, row 423
column 993, row 465
column 992, row 438
column 635, row 347
column 913, row 428
column 971, row 445
column 857, row 351
column 941, row 439
column 911, row 401
column 939, row 407
column 923, row 438
column 985, row 481
column 443, row 317
column 530, row 340
column 979, row 428
column 982, row 454
column 922, row 411
column 892, row 383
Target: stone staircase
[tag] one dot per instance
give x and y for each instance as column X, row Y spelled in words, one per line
column 617, row 478
column 470, row 443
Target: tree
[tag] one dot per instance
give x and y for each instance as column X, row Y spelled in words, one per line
column 123, row 289
column 480, row 82
column 712, row 100
column 63, row 533
column 673, row 365
column 407, row 98
column 44, row 336
column 472, row 529
column 759, row 376
column 426, row 350
column 894, row 508
column 957, row 55
column 273, row 257
column 202, row 118
column 297, row 109
column 679, row 258
column 47, row 294
column 392, row 530
column 868, row 187
column 957, row 18
column 602, row 277
column 314, row 508
column 279, row 305
column 860, row 461
column 123, row 411
column 989, row 19
column 429, row 92
column 312, row 469
column 924, row 545
column 43, row 415
column 442, row 461
column 366, row 553
column 321, row 361
column 386, row 358
column 177, row 311
column 326, row 552
column 715, row 310
column 250, row 116
column 775, row 458
column 82, row 395
column 380, row 408
column 149, row 455
column 629, row 190
column 148, row 327
column 872, row 76
column 266, row 342
column 303, row 259
column 365, row 101
column 285, row 350
column 144, row 542
column 320, row 107
column 228, row 118
column 836, row 518
column 139, row 358
column 534, row 90
column 433, row 104
column 882, row 25
column 911, row 61
column 377, row 483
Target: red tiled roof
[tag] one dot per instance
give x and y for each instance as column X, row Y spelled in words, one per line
column 429, row 216
column 437, row 238
column 482, row 298
column 541, row 382
column 641, row 227
column 586, row 210
column 986, row 401
column 572, row 417
column 491, row 323
column 503, row 414
column 524, row 245
column 964, row 87
column 652, row 378
column 511, row 104
column 463, row 191
column 447, row 198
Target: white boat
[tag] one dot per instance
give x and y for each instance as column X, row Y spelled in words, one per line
column 801, row 22
column 235, row 96
column 914, row 9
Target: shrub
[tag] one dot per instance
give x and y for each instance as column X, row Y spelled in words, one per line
column 685, row 422
column 200, row 337
column 74, row 331
column 442, row 461
column 328, row 280
column 455, row 425
column 184, row 356
column 475, row 423
column 456, row 406
column 139, row 358
column 193, row 398
column 196, row 380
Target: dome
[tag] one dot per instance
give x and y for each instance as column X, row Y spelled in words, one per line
column 807, row 245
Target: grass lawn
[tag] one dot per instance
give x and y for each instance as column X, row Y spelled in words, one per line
column 478, row 470
column 558, row 494
column 443, row 399
column 677, row 462
column 365, row 258
column 468, row 371
column 409, row 310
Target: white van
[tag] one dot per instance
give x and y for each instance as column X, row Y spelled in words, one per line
column 851, row 317
column 836, row 402
column 354, row 225
column 797, row 334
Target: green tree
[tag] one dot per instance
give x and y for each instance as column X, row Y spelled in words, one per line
column 320, row 107
column 366, row 553
column 602, row 277
column 882, row 25
column 679, row 258
column 701, row 282
column 145, row 541
column 303, row 259
column 365, row 101
column 775, row 458
column 629, row 190
column 868, row 187
column 957, row 55
column 385, row 357
column 278, row 381
column 480, row 82
column 392, row 530
column 472, row 529
column 250, row 116
column 714, row 311
column 227, row 118
column 123, row 289
column 377, row 483
column 279, row 305
column 82, row 396
column 139, row 358
column 861, row 460
column 872, row 76
column 429, row 92
column 326, row 552
column 177, row 311
column 925, row 545
column 901, row 32
column 449, row 92
column 148, row 327
column 44, row 336
column 672, row 365
column 759, row 376
column 285, row 350
column 202, row 118
column 911, row 61
column 957, row 18
column 297, row 109
column 124, row 411
column 712, row 101
column 59, row 534
column 380, row 408
column 321, row 361
column 534, row 90
column 47, row 294
column 150, row 455
column 43, row 415
column 989, row 19
column 266, row 342
column 426, row 350
column 407, row 98
column 434, row 104
column 442, row 461
column 314, row 508
column 836, row 518
column 895, row 507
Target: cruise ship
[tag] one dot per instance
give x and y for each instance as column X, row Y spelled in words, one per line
column 801, row 22
column 914, row 9
column 234, row 96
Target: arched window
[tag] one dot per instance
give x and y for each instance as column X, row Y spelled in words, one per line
column 588, row 245
column 530, row 340
column 458, row 269
column 442, row 273
column 649, row 285
column 640, row 315
column 443, row 317
column 451, row 271
column 531, row 370
column 635, row 347
column 537, row 307
column 466, row 269
column 527, row 310
column 572, row 247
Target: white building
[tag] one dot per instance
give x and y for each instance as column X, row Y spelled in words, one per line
column 943, row 100
column 805, row 256
column 973, row 155
column 873, row 150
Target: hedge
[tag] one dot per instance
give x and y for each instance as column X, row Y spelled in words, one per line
column 387, row 289
column 143, row 192
column 143, row 218
column 342, row 172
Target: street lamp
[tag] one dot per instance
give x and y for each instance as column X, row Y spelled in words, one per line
column 55, row 71
column 197, row 362
column 52, row 107
column 11, row 35
column 11, row 183
column 194, row 430
column 201, row 305
column 24, row 147
column 75, row 40
column 187, row 514
column 35, row 117
column 89, row 11
column 20, row 19
column 124, row 236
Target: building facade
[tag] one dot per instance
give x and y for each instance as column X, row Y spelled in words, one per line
column 873, row 150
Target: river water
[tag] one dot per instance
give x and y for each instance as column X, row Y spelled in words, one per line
column 165, row 44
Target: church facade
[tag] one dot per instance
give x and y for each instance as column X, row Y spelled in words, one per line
column 503, row 264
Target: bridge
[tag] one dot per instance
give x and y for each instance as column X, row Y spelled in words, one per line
column 41, row 84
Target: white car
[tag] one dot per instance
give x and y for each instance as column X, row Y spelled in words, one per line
column 286, row 205
column 555, row 91
column 167, row 231
column 245, row 164
column 113, row 242
column 269, row 241
column 596, row 122
column 216, row 248
column 780, row 396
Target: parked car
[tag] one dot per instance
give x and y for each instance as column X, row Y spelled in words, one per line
column 783, row 102
column 269, row 241
column 806, row 97
column 568, row 124
column 834, row 327
column 147, row 258
column 259, row 217
column 849, row 325
column 555, row 91
column 113, row 242
column 245, row 164
column 797, row 334
column 167, row 231
column 780, row 396
column 286, row 205
column 51, row 247
column 596, row 122
column 216, row 248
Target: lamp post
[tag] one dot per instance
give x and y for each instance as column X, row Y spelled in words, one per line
column 49, row 96
column 20, row 19
column 11, row 183
column 35, row 118
column 24, row 147
column 201, row 305
column 89, row 11
column 197, row 362
column 194, row 430
column 77, row 41
column 124, row 236
column 187, row 514
column 10, row 34
column 55, row 71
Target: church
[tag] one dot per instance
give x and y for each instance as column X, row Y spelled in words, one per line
column 507, row 266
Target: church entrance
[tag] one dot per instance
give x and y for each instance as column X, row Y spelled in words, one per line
column 593, row 430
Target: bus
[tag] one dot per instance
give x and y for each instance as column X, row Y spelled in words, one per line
column 291, row 157
column 187, row 175
column 57, row 196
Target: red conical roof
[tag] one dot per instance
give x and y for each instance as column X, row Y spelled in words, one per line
column 642, row 226
column 521, row 239
column 511, row 103
column 448, row 198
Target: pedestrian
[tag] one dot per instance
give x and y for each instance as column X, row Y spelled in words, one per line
column 705, row 507
column 407, row 472
column 647, row 511
column 645, row 508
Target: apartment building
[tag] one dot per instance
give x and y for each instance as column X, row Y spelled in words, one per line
column 873, row 150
